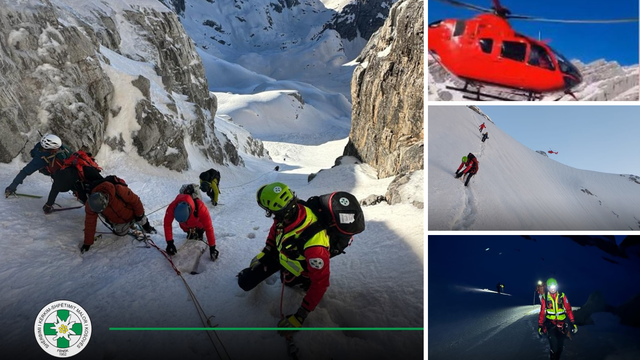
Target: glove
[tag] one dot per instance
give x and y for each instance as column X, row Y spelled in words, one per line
column 458, row 174
column 48, row 209
column 9, row 191
column 84, row 248
column 213, row 253
column 256, row 261
column 293, row 321
column 573, row 327
column 171, row 248
column 539, row 330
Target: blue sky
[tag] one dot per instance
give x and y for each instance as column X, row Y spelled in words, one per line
column 598, row 138
column 587, row 42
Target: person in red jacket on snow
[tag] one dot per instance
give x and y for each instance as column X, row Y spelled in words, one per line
column 301, row 261
column 470, row 164
column 482, row 127
column 554, row 309
column 194, row 219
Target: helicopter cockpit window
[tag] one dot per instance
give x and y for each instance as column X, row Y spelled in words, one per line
column 486, row 45
column 514, row 50
column 565, row 65
column 540, row 57
column 459, row 28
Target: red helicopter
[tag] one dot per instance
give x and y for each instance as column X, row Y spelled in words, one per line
column 487, row 51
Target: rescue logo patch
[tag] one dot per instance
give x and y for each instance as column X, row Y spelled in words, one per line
column 62, row 328
column 316, row 263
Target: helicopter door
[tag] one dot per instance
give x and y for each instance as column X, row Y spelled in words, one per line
column 511, row 63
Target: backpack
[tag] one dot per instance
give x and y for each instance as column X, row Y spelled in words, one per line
column 194, row 191
column 474, row 164
column 79, row 160
column 340, row 214
column 88, row 187
column 207, row 177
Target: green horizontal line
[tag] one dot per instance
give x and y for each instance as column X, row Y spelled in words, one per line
column 265, row 328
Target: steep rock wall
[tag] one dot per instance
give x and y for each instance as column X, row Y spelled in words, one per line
column 387, row 89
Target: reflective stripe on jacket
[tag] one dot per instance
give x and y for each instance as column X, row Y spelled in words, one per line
column 312, row 260
column 285, row 241
column 554, row 308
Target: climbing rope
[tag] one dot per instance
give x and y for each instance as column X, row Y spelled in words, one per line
column 156, row 210
column 204, row 319
column 231, row 187
column 256, row 179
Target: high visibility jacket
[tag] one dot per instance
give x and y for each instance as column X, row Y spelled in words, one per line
column 555, row 308
column 311, row 260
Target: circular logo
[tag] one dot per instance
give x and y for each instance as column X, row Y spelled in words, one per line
column 62, row 328
column 277, row 189
column 344, row 201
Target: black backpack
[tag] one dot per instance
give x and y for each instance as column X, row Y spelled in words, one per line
column 340, row 214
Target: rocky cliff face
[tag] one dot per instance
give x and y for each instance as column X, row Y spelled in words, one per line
column 66, row 70
column 362, row 17
column 51, row 79
column 387, row 129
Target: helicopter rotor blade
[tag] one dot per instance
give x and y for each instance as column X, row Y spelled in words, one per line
column 610, row 21
column 466, row 5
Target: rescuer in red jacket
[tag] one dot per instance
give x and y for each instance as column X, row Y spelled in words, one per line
column 301, row 261
column 194, row 219
column 470, row 164
column 554, row 309
column 482, row 127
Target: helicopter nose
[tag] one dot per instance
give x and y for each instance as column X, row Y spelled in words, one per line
column 571, row 81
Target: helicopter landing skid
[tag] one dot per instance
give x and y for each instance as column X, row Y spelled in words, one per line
column 478, row 95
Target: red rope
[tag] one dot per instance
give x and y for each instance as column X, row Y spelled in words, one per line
column 164, row 253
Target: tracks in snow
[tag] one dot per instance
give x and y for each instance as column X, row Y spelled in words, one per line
column 467, row 217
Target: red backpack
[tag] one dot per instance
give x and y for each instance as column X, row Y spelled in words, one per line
column 79, row 160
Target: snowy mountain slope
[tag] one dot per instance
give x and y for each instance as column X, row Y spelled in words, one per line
column 603, row 81
column 468, row 323
column 282, row 40
column 516, row 188
column 377, row 284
